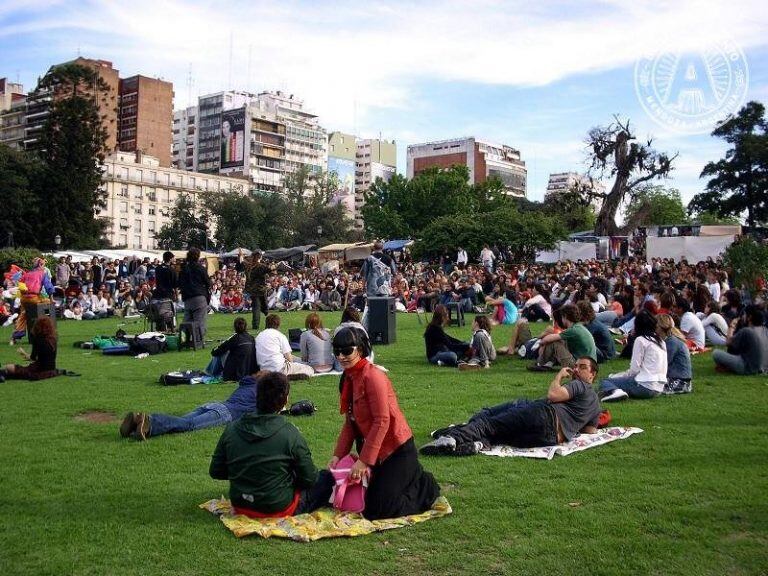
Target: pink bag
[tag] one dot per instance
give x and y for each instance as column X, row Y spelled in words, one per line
column 348, row 495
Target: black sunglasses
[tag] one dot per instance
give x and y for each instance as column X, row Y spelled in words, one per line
column 343, row 351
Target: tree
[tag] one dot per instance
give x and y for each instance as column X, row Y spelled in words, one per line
column 20, row 222
column 712, row 218
column 402, row 208
column 572, row 207
column 739, row 182
column 239, row 220
column 185, row 228
column 72, row 146
column 749, row 262
column 615, row 153
column 524, row 234
column 654, row 206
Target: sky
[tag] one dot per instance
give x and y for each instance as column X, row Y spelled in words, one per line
column 532, row 75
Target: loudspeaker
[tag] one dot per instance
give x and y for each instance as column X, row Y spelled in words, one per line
column 35, row 311
column 381, row 320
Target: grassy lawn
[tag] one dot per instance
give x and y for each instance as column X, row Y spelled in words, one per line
column 689, row 496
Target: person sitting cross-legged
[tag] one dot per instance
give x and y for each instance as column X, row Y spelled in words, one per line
column 141, row 426
column 267, row 460
column 273, row 351
column 571, row 407
column 747, row 341
column 565, row 347
column 236, row 356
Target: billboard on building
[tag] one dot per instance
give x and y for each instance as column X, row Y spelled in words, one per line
column 233, row 138
column 345, row 170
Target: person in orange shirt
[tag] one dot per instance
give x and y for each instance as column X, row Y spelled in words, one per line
column 398, row 485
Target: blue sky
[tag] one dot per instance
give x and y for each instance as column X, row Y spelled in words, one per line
column 535, row 77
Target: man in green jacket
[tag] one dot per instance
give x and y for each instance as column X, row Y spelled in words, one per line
column 267, row 461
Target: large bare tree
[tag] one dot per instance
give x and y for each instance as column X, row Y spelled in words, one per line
column 614, row 152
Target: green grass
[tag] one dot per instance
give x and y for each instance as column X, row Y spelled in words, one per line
column 689, row 496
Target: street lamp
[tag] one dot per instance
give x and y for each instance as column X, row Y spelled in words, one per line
column 57, row 241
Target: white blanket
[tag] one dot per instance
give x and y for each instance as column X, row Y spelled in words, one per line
column 580, row 442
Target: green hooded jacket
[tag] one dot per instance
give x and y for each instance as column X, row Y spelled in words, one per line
column 266, row 459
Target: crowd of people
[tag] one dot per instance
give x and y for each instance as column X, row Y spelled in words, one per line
column 654, row 314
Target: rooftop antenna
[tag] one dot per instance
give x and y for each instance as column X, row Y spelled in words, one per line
column 248, row 84
column 229, row 80
column 190, row 83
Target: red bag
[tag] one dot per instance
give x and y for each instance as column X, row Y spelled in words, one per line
column 348, row 494
column 604, row 419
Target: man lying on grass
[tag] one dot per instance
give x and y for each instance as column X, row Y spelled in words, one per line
column 568, row 409
column 140, row 425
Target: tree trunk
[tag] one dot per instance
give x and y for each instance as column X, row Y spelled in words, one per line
column 605, row 225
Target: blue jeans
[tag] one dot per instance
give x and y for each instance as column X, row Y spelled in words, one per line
column 216, row 365
column 629, row 385
column 523, row 424
column 731, row 362
column 447, row 357
column 205, row 416
column 501, row 408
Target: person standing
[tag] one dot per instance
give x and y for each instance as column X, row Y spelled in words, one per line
column 166, row 282
column 195, row 289
column 256, row 284
column 376, row 273
column 461, row 258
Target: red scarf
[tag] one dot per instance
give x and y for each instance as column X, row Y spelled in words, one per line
column 345, row 394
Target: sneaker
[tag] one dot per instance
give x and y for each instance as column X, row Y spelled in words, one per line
column 128, row 426
column 615, row 396
column 442, row 431
column 443, row 446
column 468, row 449
column 522, row 351
column 141, row 422
column 464, row 366
column 440, row 363
column 616, row 331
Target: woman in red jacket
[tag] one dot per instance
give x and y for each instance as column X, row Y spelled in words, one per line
column 398, row 485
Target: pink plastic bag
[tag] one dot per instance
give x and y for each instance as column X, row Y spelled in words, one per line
column 348, row 495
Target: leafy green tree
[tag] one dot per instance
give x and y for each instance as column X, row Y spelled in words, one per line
column 616, row 153
column 403, row 208
column 186, row 228
column 712, row 218
column 523, row 233
column 739, row 182
column 572, row 207
column 20, row 221
column 749, row 262
column 655, row 206
column 239, row 220
column 72, row 146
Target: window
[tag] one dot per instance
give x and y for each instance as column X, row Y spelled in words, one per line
column 124, row 209
column 151, row 211
column 137, row 225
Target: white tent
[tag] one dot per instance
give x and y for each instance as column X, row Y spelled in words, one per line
column 692, row 248
column 237, row 252
column 568, row 251
column 76, row 256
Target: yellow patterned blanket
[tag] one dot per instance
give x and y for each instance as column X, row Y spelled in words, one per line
column 323, row 523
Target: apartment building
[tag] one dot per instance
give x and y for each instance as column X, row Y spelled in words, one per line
column 483, row 159
column 561, row 182
column 145, row 112
column 12, row 106
column 184, row 139
column 374, row 158
column 136, row 112
column 141, row 194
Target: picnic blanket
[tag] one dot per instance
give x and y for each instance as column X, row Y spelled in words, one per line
column 323, row 523
column 579, row 443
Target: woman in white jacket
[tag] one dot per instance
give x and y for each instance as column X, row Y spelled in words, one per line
column 647, row 372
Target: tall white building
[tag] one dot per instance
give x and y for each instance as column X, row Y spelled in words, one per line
column 184, row 149
column 374, row 159
column 141, row 195
column 259, row 137
column 561, row 182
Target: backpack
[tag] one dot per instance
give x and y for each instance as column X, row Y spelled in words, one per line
column 149, row 342
column 379, row 277
column 188, row 377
